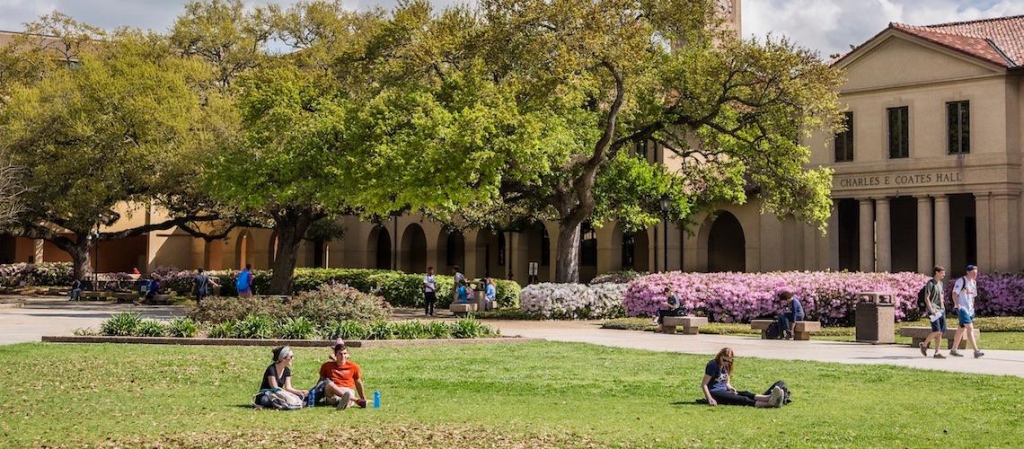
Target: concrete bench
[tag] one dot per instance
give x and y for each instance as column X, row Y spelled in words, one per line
column 690, row 324
column 802, row 330
column 462, row 308
column 917, row 335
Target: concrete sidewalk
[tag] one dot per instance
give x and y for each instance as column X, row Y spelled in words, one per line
column 28, row 319
column 994, row 361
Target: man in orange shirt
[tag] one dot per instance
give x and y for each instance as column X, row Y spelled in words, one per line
column 343, row 380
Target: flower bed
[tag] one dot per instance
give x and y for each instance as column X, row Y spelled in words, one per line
column 262, row 327
column 398, row 289
column 573, row 301
column 740, row 297
column 999, row 294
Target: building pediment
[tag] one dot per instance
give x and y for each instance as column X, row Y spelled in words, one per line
column 897, row 59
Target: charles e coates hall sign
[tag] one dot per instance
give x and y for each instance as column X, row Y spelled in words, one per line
column 898, row 180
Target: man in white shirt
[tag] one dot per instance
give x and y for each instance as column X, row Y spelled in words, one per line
column 965, row 291
column 429, row 291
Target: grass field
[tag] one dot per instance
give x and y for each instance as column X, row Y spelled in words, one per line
column 528, row 395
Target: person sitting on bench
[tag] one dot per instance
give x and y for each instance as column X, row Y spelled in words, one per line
column 672, row 306
column 793, row 311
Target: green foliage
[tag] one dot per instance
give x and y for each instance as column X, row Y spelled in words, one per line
column 332, row 302
column 122, row 324
column 183, row 328
column 85, row 332
column 509, row 314
column 380, row 330
column 346, row 330
column 224, row 329
column 471, row 328
column 410, row 330
column 439, row 329
column 150, row 328
column 299, row 328
column 254, row 326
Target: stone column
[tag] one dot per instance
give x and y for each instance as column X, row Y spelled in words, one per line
column 943, row 256
column 867, row 236
column 984, row 216
column 37, row 250
column 883, row 234
column 1005, row 233
column 925, row 261
column 833, row 237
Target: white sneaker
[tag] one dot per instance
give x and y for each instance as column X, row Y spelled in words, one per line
column 344, row 400
column 775, row 399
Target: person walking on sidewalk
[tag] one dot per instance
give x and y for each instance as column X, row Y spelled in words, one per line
column 965, row 290
column 429, row 291
column 936, row 312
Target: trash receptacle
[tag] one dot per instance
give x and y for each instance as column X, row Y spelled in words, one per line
column 875, row 318
column 480, row 295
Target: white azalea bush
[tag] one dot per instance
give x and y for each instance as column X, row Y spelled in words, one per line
column 573, row 301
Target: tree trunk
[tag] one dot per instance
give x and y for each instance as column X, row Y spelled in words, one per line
column 567, row 264
column 80, row 262
column 291, row 227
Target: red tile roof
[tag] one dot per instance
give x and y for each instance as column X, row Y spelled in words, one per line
column 999, row 40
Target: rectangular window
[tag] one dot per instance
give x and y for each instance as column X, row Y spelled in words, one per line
column 899, row 132
column 844, row 140
column 641, row 149
column 958, row 124
column 588, row 246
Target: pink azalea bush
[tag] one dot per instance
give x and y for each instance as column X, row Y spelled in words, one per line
column 999, row 294
column 740, row 297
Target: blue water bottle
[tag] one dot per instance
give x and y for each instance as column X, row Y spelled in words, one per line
column 376, row 399
column 311, row 397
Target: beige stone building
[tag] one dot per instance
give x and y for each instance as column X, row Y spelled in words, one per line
column 929, row 173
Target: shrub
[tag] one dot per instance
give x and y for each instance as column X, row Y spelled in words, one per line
column 345, row 330
column 380, row 330
column 45, row 273
column 573, row 301
column 121, row 324
column 999, row 294
column 214, row 310
column 183, row 328
column 439, row 329
column 151, row 328
column 617, row 277
column 471, row 328
column 254, row 326
column 297, row 329
column 508, row 314
column 330, row 303
column 223, row 330
column 85, row 332
column 410, row 330
column 739, row 297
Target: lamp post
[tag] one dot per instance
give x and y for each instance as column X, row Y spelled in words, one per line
column 666, row 203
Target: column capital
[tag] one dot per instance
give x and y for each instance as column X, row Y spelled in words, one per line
column 941, row 197
column 883, row 199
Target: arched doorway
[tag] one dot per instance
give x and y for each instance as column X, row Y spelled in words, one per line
column 490, row 253
column 451, row 250
column 379, row 244
column 213, row 254
column 726, row 245
column 413, row 258
column 634, row 249
column 242, row 249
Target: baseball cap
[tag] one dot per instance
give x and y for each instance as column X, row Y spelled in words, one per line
column 971, row 268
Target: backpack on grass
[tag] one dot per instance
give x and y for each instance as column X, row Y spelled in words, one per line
column 785, row 391
column 277, row 399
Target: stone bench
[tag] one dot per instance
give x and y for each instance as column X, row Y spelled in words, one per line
column 462, row 308
column 917, row 335
column 690, row 324
column 802, row 330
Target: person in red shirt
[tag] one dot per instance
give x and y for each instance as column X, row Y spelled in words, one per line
column 343, row 380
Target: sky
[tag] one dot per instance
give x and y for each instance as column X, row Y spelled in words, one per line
column 828, row 26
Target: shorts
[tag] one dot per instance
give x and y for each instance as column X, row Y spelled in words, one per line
column 333, row 400
column 939, row 325
column 964, row 318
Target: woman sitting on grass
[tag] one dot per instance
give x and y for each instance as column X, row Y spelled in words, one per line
column 279, row 374
column 718, row 389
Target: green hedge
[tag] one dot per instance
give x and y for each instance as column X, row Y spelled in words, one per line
column 398, row 289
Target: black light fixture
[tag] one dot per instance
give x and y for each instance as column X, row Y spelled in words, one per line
column 666, row 204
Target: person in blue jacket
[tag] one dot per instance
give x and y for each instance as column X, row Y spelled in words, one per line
column 793, row 312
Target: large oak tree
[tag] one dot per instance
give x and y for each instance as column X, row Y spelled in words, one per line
column 528, row 108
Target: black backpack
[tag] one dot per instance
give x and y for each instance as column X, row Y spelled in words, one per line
column 922, row 298
column 785, row 391
column 773, row 332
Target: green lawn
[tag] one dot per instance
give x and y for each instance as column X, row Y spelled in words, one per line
column 528, row 395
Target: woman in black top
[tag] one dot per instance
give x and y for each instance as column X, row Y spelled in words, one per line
column 279, row 373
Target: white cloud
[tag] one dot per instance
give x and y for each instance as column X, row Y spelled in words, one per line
column 829, row 26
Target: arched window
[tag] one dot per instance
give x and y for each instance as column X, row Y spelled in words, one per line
column 628, row 249
column 450, row 248
column 588, row 246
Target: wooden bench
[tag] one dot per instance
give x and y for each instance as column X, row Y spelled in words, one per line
column 917, row 335
column 462, row 308
column 690, row 324
column 802, row 330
